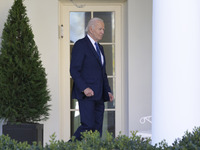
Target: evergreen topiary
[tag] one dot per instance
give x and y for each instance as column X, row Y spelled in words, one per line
column 23, row 85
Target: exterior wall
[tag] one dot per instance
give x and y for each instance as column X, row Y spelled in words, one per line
column 139, row 62
column 125, row 116
column 43, row 17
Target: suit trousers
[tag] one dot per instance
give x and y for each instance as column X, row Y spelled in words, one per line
column 91, row 114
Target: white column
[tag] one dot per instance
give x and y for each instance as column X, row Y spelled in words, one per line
column 175, row 68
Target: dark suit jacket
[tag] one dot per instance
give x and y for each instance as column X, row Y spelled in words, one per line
column 87, row 71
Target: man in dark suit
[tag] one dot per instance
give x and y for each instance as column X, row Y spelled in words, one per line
column 91, row 86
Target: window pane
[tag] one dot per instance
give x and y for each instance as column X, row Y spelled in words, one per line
column 75, row 121
column 108, row 18
column 71, row 46
column 78, row 23
column 109, row 123
column 74, row 104
column 110, row 59
column 111, row 104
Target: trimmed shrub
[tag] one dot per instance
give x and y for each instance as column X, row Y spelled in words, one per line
column 93, row 141
column 24, row 94
column 190, row 141
column 136, row 142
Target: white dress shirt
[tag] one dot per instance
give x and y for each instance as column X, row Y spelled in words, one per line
column 93, row 43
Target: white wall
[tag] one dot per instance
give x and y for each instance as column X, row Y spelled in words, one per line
column 125, row 116
column 139, row 61
column 4, row 7
column 43, row 17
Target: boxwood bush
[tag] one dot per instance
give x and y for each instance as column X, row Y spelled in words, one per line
column 92, row 141
column 190, row 141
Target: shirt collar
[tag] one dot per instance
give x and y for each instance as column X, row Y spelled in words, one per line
column 91, row 40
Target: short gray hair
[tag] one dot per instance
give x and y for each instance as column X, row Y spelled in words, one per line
column 92, row 22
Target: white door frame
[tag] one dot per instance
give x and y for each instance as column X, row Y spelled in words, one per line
column 64, row 54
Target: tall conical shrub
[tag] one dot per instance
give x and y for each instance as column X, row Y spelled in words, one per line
column 24, row 94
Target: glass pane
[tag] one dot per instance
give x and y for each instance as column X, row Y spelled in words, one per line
column 74, row 104
column 71, row 46
column 108, row 18
column 109, row 123
column 111, row 104
column 71, row 84
column 78, row 23
column 109, row 51
column 75, row 121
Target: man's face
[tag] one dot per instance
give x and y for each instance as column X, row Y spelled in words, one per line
column 97, row 31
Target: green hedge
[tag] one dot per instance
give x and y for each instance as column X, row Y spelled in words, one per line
column 92, row 141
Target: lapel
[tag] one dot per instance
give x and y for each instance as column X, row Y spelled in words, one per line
column 92, row 49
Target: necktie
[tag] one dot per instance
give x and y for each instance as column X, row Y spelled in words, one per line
column 98, row 50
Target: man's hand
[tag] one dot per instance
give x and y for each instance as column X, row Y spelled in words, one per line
column 111, row 96
column 88, row 92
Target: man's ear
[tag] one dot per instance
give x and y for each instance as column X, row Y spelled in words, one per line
column 90, row 30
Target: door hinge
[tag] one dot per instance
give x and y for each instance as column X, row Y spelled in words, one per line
column 61, row 34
